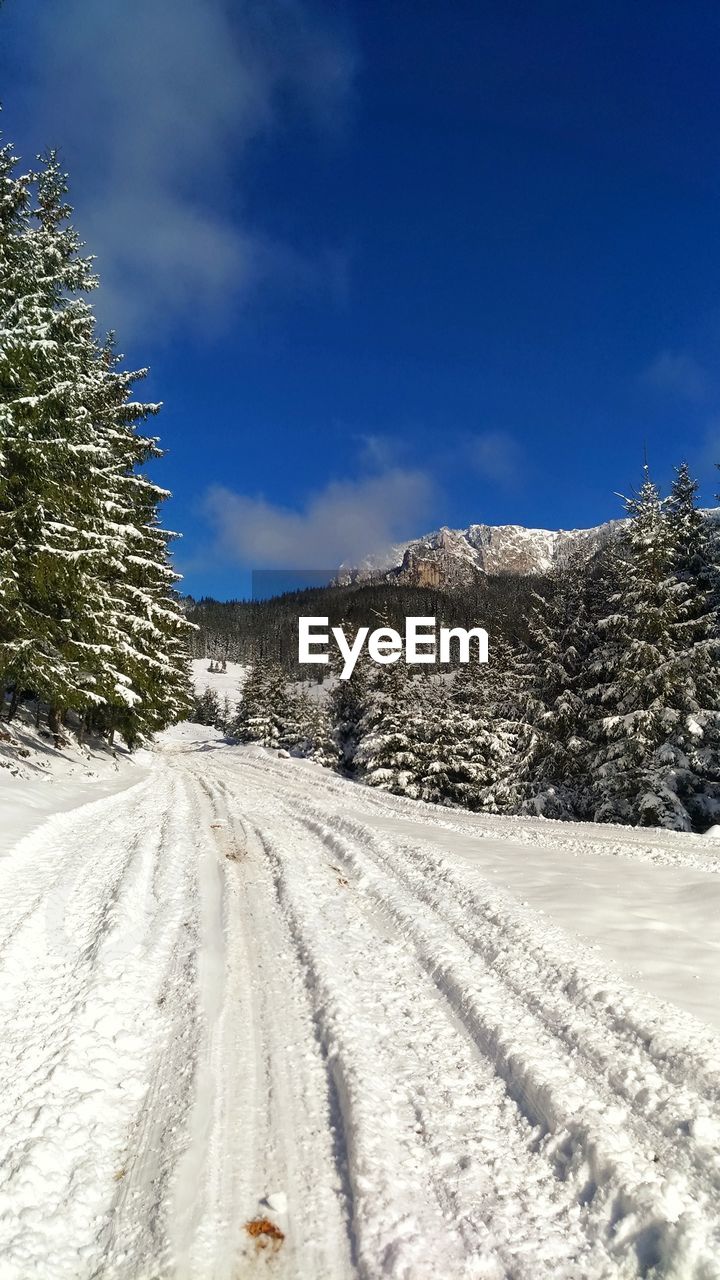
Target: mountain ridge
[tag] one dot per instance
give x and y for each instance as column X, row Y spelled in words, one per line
column 447, row 557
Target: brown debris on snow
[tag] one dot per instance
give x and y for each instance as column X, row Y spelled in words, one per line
column 263, row 1230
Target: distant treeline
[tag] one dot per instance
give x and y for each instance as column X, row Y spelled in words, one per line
column 607, row 708
column 267, row 630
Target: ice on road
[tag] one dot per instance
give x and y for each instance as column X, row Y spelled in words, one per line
column 260, row 1021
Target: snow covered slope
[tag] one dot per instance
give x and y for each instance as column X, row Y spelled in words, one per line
column 224, row 683
column 37, row 778
column 260, row 1021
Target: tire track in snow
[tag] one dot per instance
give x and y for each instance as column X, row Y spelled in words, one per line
column 82, row 977
column 673, row 1049
column 667, row 1217
column 205, row 1219
column 434, row 1152
column 220, row 985
column 677, row 1045
column 670, row 1052
column 262, row 1112
column 410, row 1220
column 571, row 1088
column 640, row 844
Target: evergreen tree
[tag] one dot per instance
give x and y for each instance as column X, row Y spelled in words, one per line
column 50, row 445
column 494, row 696
column 689, row 529
column 347, row 706
column 265, row 713
column 319, row 742
column 388, row 753
column 656, row 668
column 296, row 722
column 207, row 708
column 696, row 561
column 552, row 768
column 149, row 627
column 455, row 748
column 88, row 616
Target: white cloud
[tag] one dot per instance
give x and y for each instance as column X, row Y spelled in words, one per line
column 342, row 523
column 680, row 375
column 497, row 456
column 379, row 452
column 155, row 103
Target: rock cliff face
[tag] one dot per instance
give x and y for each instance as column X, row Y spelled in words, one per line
column 450, row 557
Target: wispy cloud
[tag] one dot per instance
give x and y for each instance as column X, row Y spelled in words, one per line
column 380, row 452
column 341, row 523
column 680, row 375
column 156, row 103
column 497, row 456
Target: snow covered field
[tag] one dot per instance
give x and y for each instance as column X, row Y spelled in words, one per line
column 229, row 683
column 226, row 683
column 391, row 1040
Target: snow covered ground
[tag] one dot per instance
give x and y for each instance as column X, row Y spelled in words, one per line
column 225, row 683
column 258, row 1021
column 230, row 682
column 37, row 779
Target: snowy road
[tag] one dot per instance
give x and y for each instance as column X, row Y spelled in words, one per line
column 245, row 989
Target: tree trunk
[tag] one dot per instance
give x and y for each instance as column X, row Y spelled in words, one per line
column 54, row 723
column 14, row 700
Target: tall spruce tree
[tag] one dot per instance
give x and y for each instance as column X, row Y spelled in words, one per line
column 690, row 530
column 551, row 775
column 494, row 695
column 455, row 747
column 389, row 751
column 696, row 562
column 146, row 612
column 74, row 551
column 347, row 707
column 655, row 662
column 266, row 713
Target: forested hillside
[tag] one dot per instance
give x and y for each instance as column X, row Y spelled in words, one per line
column 90, row 625
column 601, row 699
column 260, row 630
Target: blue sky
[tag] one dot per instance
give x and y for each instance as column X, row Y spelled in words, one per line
column 392, row 264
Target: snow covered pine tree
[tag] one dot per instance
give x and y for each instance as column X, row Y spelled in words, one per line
column 206, row 709
column 266, row 712
column 389, row 752
column 89, row 620
column 657, row 674
column 494, row 696
column 551, row 775
column 451, row 748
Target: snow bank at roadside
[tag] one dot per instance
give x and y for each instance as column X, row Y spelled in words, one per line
column 37, row 778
